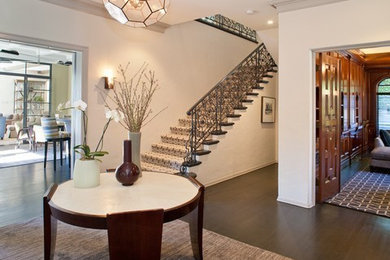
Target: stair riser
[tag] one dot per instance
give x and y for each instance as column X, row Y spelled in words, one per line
column 162, row 162
column 170, row 140
column 164, row 150
column 180, row 131
column 185, row 123
column 157, row 168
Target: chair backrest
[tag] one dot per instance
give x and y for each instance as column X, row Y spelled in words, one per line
column 50, row 127
column 135, row 235
column 38, row 134
column 18, row 126
column 2, row 126
column 67, row 123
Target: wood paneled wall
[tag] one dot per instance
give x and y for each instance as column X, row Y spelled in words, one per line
column 354, row 103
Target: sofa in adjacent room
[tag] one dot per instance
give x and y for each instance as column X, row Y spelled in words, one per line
column 380, row 155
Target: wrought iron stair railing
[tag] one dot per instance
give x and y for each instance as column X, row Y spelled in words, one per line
column 210, row 113
column 230, row 26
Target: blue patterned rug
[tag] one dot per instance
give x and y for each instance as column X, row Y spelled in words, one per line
column 366, row 191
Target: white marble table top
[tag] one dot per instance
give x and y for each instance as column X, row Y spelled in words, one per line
column 151, row 191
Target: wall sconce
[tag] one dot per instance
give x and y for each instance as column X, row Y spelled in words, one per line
column 108, row 80
column 108, row 83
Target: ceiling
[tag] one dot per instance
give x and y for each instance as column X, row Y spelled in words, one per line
column 32, row 53
column 376, row 50
column 181, row 11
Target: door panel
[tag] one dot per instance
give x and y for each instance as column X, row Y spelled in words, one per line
column 329, row 150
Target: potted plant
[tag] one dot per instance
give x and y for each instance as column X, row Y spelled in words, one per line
column 86, row 173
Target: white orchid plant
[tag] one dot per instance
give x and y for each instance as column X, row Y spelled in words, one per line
column 84, row 148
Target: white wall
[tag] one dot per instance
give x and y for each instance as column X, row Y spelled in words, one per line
column 342, row 24
column 270, row 38
column 248, row 145
column 7, row 94
column 188, row 59
column 61, row 86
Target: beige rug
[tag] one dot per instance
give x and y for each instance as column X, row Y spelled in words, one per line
column 25, row 241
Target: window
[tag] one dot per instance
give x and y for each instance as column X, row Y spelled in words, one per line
column 383, row 104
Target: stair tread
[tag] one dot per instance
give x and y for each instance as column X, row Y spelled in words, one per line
column 163, row 156
column 257, row 87
column 240, row 108
column 226, row 124
column 252, row 94
column 202, row 152
column 233, row 115
column 218, row 132
column 210, row 142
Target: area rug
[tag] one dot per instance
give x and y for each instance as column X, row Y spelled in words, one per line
column 11, row 141
column 366, row 191
column 25, row 241
column 22, row 156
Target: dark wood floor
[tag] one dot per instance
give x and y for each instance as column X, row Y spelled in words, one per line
column 22, row 189
column 244, row 208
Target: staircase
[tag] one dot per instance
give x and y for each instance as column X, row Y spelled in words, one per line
column 187, row 142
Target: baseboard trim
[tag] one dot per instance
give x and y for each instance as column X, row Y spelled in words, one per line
column 295, row 203
column 237, row 174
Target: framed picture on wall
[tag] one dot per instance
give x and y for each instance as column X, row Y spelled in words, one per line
column 268, row 109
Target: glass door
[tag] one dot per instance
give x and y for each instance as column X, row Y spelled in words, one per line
column 31, row 90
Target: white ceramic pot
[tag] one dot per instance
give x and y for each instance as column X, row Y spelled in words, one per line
column 135, row 138
column 86, row 173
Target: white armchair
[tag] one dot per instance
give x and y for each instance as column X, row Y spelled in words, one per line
column 39, row 136
column 23, row 134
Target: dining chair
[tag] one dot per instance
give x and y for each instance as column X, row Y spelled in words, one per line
column 23, row 134
column 52, row 134
column 135, row 235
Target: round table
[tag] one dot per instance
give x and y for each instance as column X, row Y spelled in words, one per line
column 124, row 211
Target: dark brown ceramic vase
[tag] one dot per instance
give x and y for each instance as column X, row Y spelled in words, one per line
column 128, row 172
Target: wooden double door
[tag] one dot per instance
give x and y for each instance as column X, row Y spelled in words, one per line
column 328, row 126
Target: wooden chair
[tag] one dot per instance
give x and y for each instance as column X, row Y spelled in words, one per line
column 135, row 235
column 24, row 134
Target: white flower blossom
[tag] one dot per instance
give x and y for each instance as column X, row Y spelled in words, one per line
column 67, row 104
column 80, row 105
column 108, row 113
column 60, row 107
column 114, row 115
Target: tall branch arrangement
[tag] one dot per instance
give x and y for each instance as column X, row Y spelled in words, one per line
column 132, row 96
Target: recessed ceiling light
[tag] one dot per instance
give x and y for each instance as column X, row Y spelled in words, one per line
column 250, row 11
column 270, row 22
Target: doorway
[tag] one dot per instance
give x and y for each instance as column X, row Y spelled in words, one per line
column 35, row 79
column 352, row 109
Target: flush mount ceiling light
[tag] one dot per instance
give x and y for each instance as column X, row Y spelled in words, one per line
column 137, row 13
